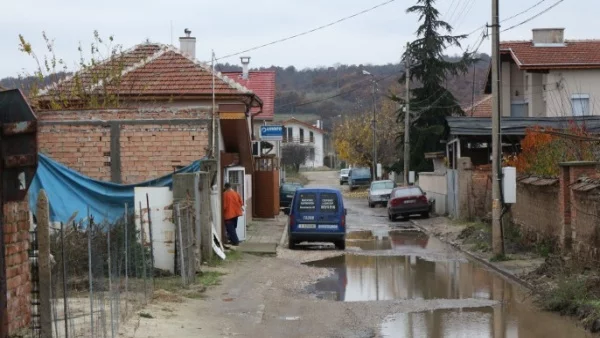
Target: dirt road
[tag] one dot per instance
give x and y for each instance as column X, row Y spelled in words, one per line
column 392, row 281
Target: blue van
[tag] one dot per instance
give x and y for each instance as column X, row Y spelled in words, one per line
column 317, row 215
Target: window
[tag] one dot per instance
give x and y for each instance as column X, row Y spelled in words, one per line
column 580, row 104
column 301, row 135
column 382, row 185
column 307, row 201
column 519, row 109
column 290, row 134
column 408, row 192
column 329, row 202
column 311, row 137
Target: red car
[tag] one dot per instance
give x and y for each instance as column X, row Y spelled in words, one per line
column 406, row 201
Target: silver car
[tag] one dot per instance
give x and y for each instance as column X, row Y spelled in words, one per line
column 379, row 192
column 344, row 176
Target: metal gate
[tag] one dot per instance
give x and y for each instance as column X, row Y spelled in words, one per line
column 452, row 199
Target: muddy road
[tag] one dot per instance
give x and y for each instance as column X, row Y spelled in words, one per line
column 391, row 281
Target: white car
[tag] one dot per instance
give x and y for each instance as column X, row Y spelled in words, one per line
column 344, row 176
column 379, row 192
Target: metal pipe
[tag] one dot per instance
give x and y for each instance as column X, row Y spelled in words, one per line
column 126, row 258
column 407, row 118
column 142, row 239
column 110, row 290
column 181, row 268
column 90, row 272
column 64, row 261
column 151, row 238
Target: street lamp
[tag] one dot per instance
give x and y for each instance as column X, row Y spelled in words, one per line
column 374, row 124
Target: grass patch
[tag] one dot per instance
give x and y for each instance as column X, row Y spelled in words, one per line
column 230, row 256
column 209, row 278
column 500, row 258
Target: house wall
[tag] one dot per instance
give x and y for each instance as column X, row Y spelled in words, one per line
column 18, row 280
column 536, row 212
column 318, row 143
column 127, row 146
column 561, row 85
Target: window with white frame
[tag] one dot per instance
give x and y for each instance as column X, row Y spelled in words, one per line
column 580, row 104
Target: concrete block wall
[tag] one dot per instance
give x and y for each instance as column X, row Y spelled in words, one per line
column 536, row 212
column 18, row 280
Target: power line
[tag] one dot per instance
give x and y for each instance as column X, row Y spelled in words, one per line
column 533, row 17
column 466, row 10
column 309, row 31
column 510, row 17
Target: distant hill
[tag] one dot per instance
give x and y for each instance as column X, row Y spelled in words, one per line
column 328, row 92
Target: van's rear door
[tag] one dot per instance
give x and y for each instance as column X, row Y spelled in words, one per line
column 329, row 218
column 305, row 212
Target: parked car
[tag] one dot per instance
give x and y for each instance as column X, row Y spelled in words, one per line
column 379, row 192
column 406, row 201
column 359, row 177
column 344, row 176
column 317, row 215
column 286, row 194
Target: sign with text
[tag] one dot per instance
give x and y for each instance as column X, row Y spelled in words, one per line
column 271, row 133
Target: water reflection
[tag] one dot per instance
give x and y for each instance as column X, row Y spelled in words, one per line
column 412, row 274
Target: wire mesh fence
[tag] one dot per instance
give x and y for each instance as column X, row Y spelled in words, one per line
column 100, row 275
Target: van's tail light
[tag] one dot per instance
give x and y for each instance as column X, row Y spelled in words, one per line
column 343, row 222
column 292, row 220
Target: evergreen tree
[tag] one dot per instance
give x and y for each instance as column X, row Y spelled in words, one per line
column 431, row 102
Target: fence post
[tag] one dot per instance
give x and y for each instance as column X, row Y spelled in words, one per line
column 206, row 236
column 126, row 258
column 182, row 267
column 151, row 238
column 143, row 239
column 45, row 271
column 90, row 275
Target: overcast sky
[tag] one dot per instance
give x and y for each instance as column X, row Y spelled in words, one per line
column 229, row 26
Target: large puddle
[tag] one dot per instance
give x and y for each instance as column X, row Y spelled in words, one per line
column 410, row 265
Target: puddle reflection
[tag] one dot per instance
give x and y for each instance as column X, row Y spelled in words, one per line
column 408, row 275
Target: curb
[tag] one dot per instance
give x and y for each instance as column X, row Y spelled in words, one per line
column 505, row 273
column 283, row 235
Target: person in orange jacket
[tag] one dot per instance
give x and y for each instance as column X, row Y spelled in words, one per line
column 232, row 209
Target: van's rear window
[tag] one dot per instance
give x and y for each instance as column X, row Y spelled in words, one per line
column 307, row 201
column 329, row 202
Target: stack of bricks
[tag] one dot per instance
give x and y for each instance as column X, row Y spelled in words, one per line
column 18, row 281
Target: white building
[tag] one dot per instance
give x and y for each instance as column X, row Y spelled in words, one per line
column 296, row 131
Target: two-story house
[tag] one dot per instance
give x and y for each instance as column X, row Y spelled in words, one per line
column 549, row 76
column 296, row 131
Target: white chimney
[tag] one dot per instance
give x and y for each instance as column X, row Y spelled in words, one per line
column 245, row 62
column 548, row 37
column 187, row 44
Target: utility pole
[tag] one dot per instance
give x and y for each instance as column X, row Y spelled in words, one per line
column 497, row 240
column 374, row 134
column 407, row 117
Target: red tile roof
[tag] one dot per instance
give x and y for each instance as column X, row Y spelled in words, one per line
column 575, row 54
column 151, row 70
column 481, row 108
column 262, row 83
column 307, row 125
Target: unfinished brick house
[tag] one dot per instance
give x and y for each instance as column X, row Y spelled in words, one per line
column 162, row 121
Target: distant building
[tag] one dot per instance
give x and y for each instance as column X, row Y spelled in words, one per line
column 296, row 131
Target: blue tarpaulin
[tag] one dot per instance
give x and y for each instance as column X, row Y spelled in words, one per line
column 69, row 191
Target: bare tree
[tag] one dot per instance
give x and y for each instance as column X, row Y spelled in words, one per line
column 295, row 154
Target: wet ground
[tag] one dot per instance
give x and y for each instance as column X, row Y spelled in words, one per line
column 393, row 261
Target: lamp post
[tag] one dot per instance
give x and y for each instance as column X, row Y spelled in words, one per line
column 374, row 124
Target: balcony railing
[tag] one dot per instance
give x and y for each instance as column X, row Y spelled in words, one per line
column 298, row 139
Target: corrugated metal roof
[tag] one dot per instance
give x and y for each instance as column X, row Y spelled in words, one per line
column 482, row 126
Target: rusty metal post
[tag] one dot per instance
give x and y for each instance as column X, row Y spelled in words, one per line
column 151, row 238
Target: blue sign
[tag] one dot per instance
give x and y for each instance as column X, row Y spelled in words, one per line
column 271, row 133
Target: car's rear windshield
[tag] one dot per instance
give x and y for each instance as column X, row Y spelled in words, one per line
column 361, row 172
column 408, row 192
column 345, row 171
column 329, row 202
column 307, row 201
column 290, row 187
column 382, row 185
